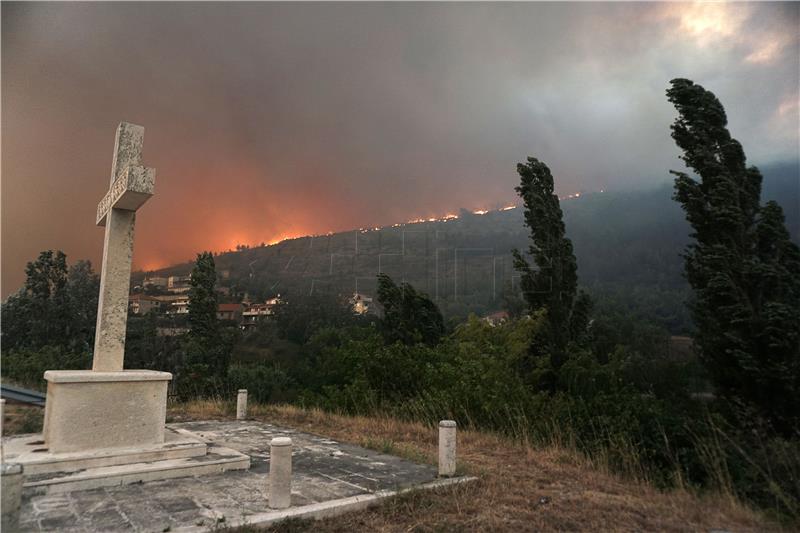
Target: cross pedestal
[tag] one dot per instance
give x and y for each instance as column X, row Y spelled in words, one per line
column 108, row 407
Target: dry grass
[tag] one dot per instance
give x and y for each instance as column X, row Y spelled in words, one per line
column 520, row 488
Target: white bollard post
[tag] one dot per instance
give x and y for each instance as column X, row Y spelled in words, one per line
column 2, row 427
column 447, row 448
column 241, row 404
column 11, row 474
column 280, row 472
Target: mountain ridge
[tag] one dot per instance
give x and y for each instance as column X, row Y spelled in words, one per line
column 629, row 241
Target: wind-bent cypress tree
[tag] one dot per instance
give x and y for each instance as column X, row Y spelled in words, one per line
column 554, row 286
column 742, row 265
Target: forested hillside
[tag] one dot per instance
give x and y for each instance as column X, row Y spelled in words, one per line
column 628, row 246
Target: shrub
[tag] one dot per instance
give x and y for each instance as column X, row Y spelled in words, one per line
column 27, row 366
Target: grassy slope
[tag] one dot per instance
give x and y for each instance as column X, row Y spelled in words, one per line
column 520, row 488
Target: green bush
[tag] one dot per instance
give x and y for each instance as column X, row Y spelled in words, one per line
column 27, row 366
column 621, row 400
column 264, row 383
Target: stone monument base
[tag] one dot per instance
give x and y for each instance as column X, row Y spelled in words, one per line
column 87, row 410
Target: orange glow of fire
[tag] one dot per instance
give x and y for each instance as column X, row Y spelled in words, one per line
column 227, row 241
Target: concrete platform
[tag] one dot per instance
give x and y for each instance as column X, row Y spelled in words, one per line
column 329, row 478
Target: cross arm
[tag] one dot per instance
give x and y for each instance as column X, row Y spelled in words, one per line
column 129, row 191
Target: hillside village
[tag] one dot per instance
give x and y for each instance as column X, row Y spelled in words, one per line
column 169, row 297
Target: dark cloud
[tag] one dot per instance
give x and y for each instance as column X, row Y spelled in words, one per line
column 271, row 120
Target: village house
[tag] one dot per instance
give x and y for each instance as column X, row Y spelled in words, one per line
column 155, row 281
column 231, row 312
column 180, row 305
column 171, row 304
column 245, row 314
column 360, row 303
column 141, row 304
column 253, row 313
column 178, row 284
column 496, row 318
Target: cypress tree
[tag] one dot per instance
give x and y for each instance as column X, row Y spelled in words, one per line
column 203, row 298
column 742, row 266
column 554, row 285
column 207, row 349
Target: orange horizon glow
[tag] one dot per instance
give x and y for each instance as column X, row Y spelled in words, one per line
column 229, row 244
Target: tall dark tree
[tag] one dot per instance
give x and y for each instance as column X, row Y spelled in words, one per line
column 203, row 298
column 409, row 316
column 38, row 315
column 742, row 266
column 554, row 285
column 207, row 347
column 50, row 322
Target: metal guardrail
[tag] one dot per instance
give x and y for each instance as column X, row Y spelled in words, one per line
column 18, row 394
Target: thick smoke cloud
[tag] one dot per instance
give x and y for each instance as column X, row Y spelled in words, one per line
column 273, row 120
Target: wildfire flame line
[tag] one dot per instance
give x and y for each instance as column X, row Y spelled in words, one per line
column 445, row 218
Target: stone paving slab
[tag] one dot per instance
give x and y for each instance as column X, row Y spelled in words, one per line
column 327, row 475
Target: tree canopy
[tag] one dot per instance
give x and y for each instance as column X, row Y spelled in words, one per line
column 56, row 307
column 409, row 316
column 742, row 266
column 553, row 286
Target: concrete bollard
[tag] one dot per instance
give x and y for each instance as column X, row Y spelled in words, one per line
column 447, row 448
column 11, row 474
column 280, row 472
column 241, row 404
column 2, row 426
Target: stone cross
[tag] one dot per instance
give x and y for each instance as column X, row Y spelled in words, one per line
column 131, row 186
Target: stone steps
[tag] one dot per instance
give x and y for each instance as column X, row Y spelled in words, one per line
column 216, row 460
column 30, row 452
column 182, row 454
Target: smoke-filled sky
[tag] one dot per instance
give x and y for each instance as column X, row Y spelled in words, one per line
column 265, row 121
